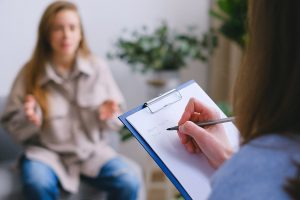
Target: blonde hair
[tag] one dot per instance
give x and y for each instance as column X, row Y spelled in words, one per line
column 35, row 67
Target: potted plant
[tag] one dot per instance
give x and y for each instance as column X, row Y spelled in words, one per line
column 161, row 50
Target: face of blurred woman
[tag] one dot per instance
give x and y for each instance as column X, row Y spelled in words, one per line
column 65, row 33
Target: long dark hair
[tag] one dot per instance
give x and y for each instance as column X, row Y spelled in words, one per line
column 267, row 93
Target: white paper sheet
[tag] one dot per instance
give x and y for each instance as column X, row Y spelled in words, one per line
column 191, row 170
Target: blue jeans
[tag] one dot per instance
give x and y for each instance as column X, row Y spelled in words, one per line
column 115, row 177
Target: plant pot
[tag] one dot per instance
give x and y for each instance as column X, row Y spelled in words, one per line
column 160, row 82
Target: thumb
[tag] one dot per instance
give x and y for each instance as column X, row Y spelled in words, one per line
column 196, row 132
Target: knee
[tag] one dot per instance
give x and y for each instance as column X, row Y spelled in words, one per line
column 38, row 178
column 129, row 182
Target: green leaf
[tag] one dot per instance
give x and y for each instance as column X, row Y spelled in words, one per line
column 217, row 15
column 232, row 14
column 161, row 49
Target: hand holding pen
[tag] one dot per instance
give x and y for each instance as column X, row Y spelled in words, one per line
column 210, row 140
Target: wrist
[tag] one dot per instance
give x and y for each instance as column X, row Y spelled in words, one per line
column 224, row 156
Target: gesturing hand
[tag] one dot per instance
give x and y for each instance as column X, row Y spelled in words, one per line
column 211, row 140
column 108, row 109
column 30, row 110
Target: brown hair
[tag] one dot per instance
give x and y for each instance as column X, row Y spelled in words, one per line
column 267, row 92
column 35, row 67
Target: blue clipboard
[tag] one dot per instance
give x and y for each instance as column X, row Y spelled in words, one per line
column 148, row 148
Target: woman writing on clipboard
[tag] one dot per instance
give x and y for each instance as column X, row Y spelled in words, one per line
column 266, row 104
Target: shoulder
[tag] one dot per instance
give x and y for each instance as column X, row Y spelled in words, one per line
column 95, row 62
column 93, row 66
column 258, row 170
column 21, row 74
column 18, row 85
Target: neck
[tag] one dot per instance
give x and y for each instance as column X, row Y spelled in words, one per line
column 63, row 62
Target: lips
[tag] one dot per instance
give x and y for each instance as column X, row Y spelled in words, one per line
column 66, row 45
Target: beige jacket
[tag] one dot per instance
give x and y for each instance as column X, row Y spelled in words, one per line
column 73, row 143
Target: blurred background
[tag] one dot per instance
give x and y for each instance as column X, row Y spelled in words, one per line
column 216, row 26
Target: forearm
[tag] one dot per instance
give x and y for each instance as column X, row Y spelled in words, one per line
column 17, row 124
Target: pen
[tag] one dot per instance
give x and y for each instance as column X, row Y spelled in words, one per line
column 207, row 123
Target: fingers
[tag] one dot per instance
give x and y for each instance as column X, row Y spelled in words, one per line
column 29, row 105
column 190, row 129
column 196, row 111
column 197, row 149
column 29, row 108
column 35, row 120
column 196, row 117
column 189, row 143
column 193, row 112
column 111, row 105
column 29, row 98
column 105, row 115
column 192, row 146
column 189, row 110
column 211, row 142
column 29, row 101
column 191, row 135
column 108, row 109
column 115, row 107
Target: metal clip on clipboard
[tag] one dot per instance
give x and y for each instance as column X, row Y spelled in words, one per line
column 163, row 100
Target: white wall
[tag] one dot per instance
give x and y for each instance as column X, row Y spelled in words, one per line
column 104, row 21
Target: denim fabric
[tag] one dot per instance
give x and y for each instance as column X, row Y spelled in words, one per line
column 39, row 180
column 115, row 178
